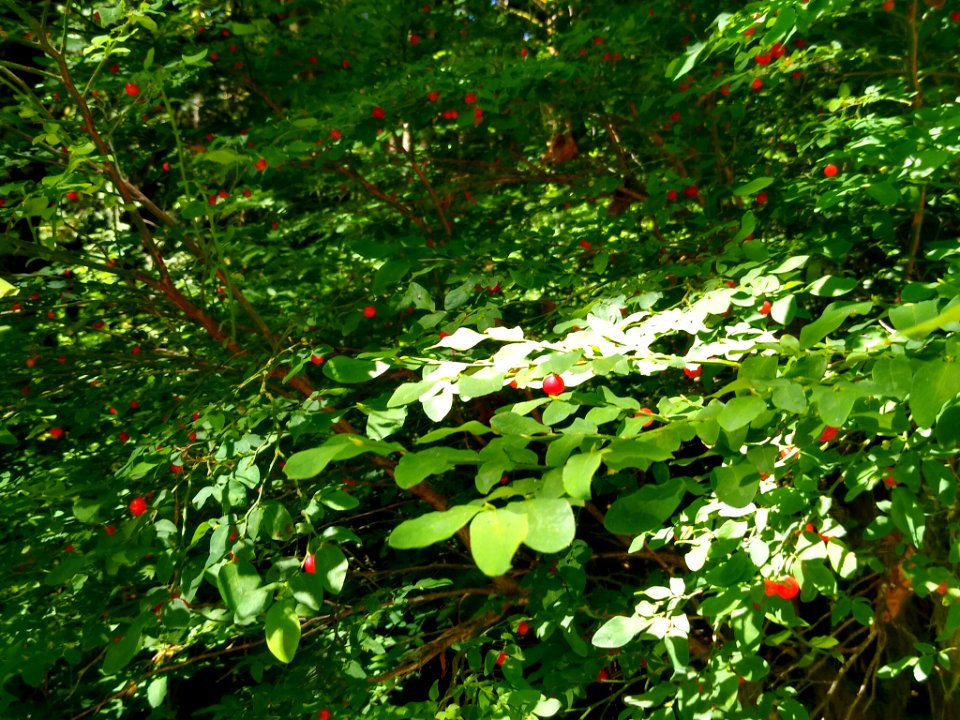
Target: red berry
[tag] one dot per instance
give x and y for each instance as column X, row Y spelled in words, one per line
column 553, row 385
column 762, row 198
column 377, row 113
column 123, row 436
column 585, row 244
column 648, row 411
column 335, row 134
column 603, row 675
column 724, row 90
column 110, row 530
column 828, row 434
column 888, row 5
column 324, row 715
column 131, row 89
column 693, row 371
column 523, row 628
column 501, row 658
column 691, row 191
column 316, row 359
column 138, row 506
column 414, row 39
column 789, row 588
column 72, row 195
column 757, row 84
column 671, row 195
column 830, row 170
column 114, row 69
column 470, row 98
column 261, row 165
column 433, row 96
column 68, row 548
column 176, row 469
column 762, row 58
column 135, row 350
column 134, row 404
column 777, row 50
column 56, row 433
column 765, row 308
column 942, row 588
column 955, row 16
column 310, row 564
column 524, row 52
column 369, row 311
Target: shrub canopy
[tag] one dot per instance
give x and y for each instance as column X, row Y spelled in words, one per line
column 480, row 359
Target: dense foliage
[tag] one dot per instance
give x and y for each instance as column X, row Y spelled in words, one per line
column 480, row 359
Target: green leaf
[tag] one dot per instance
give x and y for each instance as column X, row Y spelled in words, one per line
column 832, row 286
column 644, row 510
column 471, row 427
column 558, row 411
column 934, row 384
column 655, row 446
column 755, row 185
column 339, row 500
column 123, row 646
column 949, row 316
column 332, row 568
column 784, row 310
column 884, row 193
column 905, row 318
column 737, row 485
column 617, row 632
column 578, row 474
column 410, row 392
column 740, row 412
column 307, row 589
column 6, row 289
column 833, row 317
column 195, row 58
column 415, row 467
column 495, row 536
column 509, row 423
column 223, row 157
column 482, row 382
column 389, row 275
column 789, row 396
column 748, row 223
column 349, row 370
column 157, row 691
column 893, row 377
column 283, row 631
column 677, row 69
column 835, row 402
column 239, row 585
column 907, row 514
column 310, row 463
column 431, row 528
column 551, row 525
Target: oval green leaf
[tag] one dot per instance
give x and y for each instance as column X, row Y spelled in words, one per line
column 283, row 631
column 495, row 536
column 431, row 528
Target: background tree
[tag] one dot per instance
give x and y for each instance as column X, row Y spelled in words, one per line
column 379, row 359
